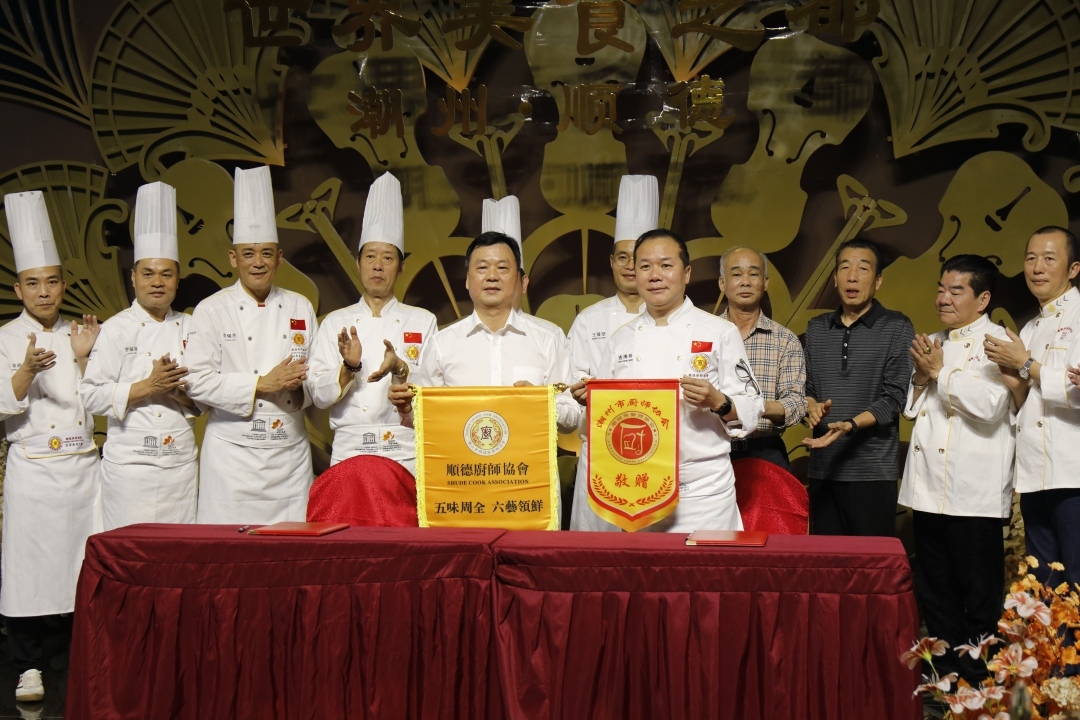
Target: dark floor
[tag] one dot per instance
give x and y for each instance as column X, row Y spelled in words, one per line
column 55, row 679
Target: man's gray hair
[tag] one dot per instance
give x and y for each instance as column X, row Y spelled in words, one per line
column 764, row 260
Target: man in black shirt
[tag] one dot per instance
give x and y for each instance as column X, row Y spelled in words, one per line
column 857, row 373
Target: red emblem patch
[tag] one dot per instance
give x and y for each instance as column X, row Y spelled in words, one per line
column 414, row 338
column 700, row 346
column 295, row 324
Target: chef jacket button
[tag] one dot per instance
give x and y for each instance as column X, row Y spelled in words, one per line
column 176, row 323
column 923, row 413
column 282, row 337
column 396, row 320
column 147, row 352
column 80, row 422
column 1058, row 315
column 1039, row 423
column 249, row 337
column 74, row 359
column 260, row 404
column 52, row 426
column 279, row 306
column 159, row 414
column 1037, row 323
column 255, row 371
column 142, row 324
column 241, row 307
column 638, row 358
column 941, row 450
column 917, row 448
column 967, row 344
column 678, row 357
column 364, row 409
column 1047, row 346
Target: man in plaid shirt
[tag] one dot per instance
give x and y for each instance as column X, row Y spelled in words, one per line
column 776, row 357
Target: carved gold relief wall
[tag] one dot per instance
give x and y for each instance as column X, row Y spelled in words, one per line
column 933, row 126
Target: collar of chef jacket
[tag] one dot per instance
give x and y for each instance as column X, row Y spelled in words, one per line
column 364, row 310
column 686, row 307
column 245, row 296
column 1059, row 303
column 142, row 316
column 62, row 324
column 515, row 322
column 971, row 329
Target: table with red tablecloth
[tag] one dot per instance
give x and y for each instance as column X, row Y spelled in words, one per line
column 204, row 622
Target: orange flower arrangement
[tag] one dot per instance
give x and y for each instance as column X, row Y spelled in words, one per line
column 1037, row 633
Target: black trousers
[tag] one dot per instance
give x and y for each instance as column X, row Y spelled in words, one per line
column 853, row 508
column 32, row 640
column 771, row 449
column 959, row 582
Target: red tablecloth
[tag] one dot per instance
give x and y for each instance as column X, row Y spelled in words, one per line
column 202, row 622
column 642, row 626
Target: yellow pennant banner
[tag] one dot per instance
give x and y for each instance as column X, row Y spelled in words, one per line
column 633, row 450
column 485, row 457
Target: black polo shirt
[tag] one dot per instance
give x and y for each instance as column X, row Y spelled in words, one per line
column 864, row 367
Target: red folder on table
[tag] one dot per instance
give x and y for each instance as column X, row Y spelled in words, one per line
column 303, row 529
column 744, row 538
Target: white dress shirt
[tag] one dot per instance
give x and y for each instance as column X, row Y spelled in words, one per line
column 644, row 350
column 362, row 417
column 590, row 332
column 468, row 353
column 124, row 354
column 960, row 458
column 1048, row 427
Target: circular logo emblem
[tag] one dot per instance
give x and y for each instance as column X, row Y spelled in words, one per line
column 486, row 433
column 412, row 352
column 700, row 362
column 632, row 437
column 54, row 443
column 298, row 339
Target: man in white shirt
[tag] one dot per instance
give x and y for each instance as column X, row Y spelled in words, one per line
column 247, row 353
column 359, row 348
column 497, row 344
column 637, row 213
column 1048, row 426
column 720, row 397
column 958, row 478
column 51, row 484
column 150, row 472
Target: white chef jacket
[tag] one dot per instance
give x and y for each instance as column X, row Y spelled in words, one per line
column 644, row 350
column 590, row 332
column 123, row 355
column 51, row 486
column 960, row 458
column 468, row 353
column 1048, row 426
column 232, row 341
column 362, row 417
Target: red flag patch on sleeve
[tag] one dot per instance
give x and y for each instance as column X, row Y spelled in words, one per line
column 699, row 346
column 414, row 338
column 295, row 324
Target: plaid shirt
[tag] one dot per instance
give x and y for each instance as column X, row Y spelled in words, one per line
column 777, row 359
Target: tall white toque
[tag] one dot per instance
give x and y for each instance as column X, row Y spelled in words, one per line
column 31, row 234
column 155, row 222
column 639, row 207
column 504, row 216
column 253, row 207
column 384, row 217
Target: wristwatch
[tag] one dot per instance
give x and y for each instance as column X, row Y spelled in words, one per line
column 854, row 425
column 725, row 408
column 1025, row 369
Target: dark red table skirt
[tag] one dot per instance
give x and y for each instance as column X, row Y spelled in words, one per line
column 202, row 622
column 641, row 626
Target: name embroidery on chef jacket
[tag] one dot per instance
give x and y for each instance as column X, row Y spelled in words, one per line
column 624, row 358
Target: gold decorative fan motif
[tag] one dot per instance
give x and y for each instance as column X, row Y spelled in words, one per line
column 960, row 69
column 174, row 76
column 75, row 195
column 40, row 62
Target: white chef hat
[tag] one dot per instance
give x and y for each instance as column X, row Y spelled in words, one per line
column 31, row 234
column 253, row 207
column 504, row 216
column 155, row 222
column 639, row 207
column 384, row 218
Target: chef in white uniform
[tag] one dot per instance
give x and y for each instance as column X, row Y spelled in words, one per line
column 958, row 479
column 136, row 378
column 358, row 348
column 1048, row 424
column 719, row 397
column 497, row 344
column 51, row 487
column 247, row 352
column 637, row 213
